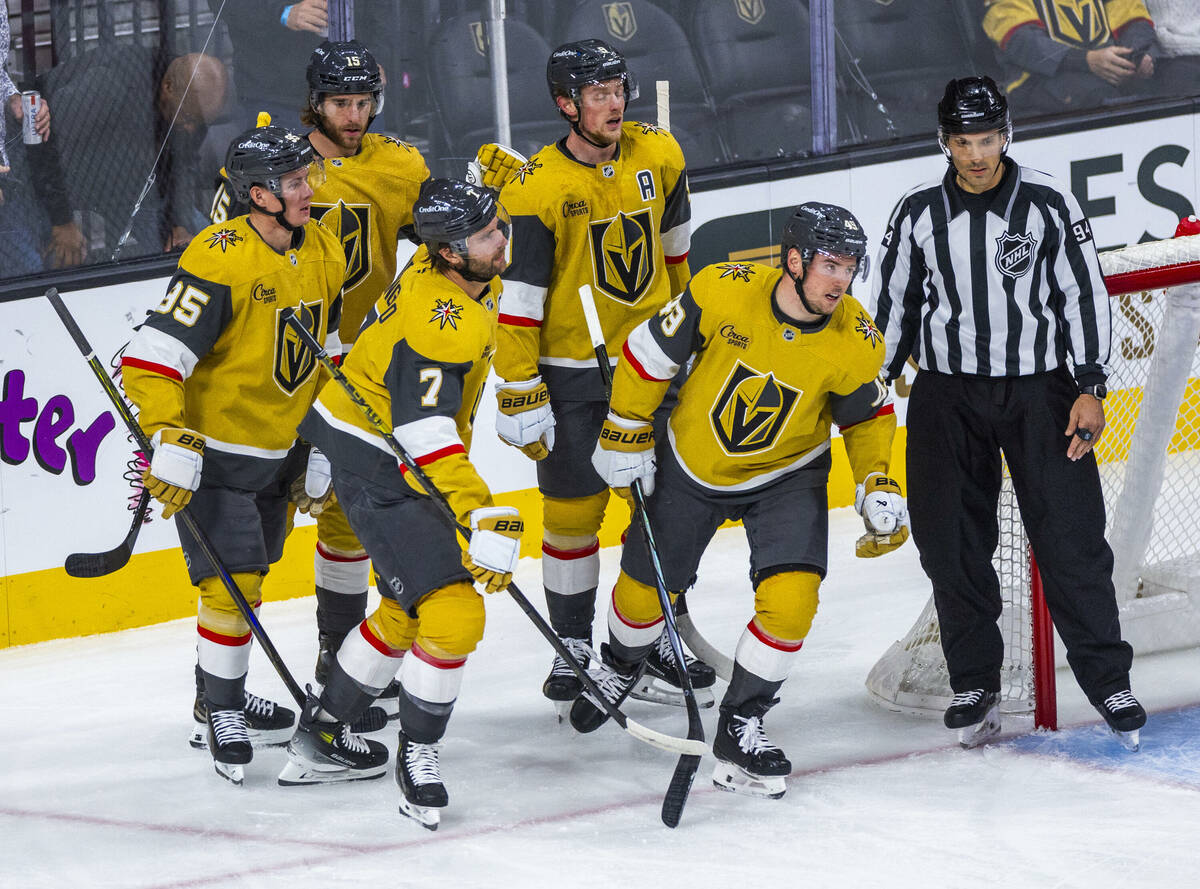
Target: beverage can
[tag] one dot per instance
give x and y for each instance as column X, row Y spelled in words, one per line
column 31, row 101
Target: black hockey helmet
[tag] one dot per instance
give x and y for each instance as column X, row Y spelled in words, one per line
column 823, row 228
column 973, row 105
column 262, row 156
column 448, row 211
column 343, row 68
column 574, row 65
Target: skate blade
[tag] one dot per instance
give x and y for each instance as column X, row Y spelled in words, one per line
column 233, row 773
column 658, row 691
column 981, row 732
column 301, row 773
column 1131, row 741
column 258, row 738
column 425, row 816
column 728, row 777
column 563, row 710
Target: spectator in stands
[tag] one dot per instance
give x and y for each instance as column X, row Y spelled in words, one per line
column 1177, row 23
column 282, row 35
column 1074, row 53
column 27, row 198
column 191, row 95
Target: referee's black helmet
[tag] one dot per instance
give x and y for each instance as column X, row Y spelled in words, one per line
column 972, row 105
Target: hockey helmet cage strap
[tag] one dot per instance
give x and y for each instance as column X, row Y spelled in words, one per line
column 575, row 65
column 448, row 211
column 262, row 156
column 972, row 105
column 823, row 228
column 344, row 68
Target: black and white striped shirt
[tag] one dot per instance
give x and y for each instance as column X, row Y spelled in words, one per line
column 1003, row 284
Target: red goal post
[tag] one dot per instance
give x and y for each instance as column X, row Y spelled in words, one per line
column 1149, row 460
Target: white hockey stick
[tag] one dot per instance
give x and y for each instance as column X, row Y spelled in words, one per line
column 662, row 98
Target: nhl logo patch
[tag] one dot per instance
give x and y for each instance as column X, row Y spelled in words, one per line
column 608, row 171
column 1014, row 254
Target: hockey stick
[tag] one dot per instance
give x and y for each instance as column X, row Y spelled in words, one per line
column 670, row 743
column 139, row 437
column 701, row 647
column 99, row 564
column 685, row 770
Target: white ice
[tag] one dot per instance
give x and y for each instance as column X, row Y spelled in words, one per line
column 98, row 787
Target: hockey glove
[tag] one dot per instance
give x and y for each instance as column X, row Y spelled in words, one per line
column 175, row 468
column 525, row 420
column 624, row 454
column 494, row 166
column 495, row 546
column 884, row 513
column 313, row 491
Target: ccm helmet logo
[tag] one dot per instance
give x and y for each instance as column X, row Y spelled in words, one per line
column 617, row 436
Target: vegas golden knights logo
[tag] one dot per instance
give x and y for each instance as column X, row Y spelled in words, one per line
column 352, row 225
column 294, row 361
column 751, row 410
column 623, row 254
column 750, row 11
column 619, row 20
column 1080, row 23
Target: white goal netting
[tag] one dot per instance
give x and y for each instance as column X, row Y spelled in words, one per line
column 1149, row 459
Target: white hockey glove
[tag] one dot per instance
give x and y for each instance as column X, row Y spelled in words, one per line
column 494, row 166
column 525, row 419
column 495, row 546
column 175, row 468
column 314, row 490
column 624, row 454
column 884, row 513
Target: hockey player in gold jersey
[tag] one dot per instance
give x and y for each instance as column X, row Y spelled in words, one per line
column 780, row 355
column 422, row 360
column 366, row 201
column 605, row 206
column 220, row 383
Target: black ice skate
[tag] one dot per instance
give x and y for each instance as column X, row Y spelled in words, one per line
column 1125, row 716
column 747, row 762
column 562, row 686
column 419, row 774
column 660, row 683
column 268, row 724
column 229, row 743
column 976, row 715
column 329, row 752
column 375, row 717
column 615, row 680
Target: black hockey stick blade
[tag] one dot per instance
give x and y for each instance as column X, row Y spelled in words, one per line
column 678, row 790
column 100, row 564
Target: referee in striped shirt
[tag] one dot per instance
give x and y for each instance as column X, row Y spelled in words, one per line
column 989, row 280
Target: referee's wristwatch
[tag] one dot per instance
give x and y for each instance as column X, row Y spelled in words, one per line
column 1099, row 390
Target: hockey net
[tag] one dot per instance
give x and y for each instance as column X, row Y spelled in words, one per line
column 1149, row 461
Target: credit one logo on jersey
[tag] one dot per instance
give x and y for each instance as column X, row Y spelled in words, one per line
column 294, row 361
column 352, row 225
column 751, row 410
column 623, row 254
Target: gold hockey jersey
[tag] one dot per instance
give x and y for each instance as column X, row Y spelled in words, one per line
column 215, row 355
column 621, row 227
column 420, row 362
column 764, row 389
column 366, row 201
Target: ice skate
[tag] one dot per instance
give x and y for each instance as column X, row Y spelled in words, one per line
column 747, row 762
column 976, row 715
column 229, row 743
column 268, row 724
column 562, row 686
column 419, row 774
column 1125, row 717
column 660, row 682
column 329, row 752
column 615, row 680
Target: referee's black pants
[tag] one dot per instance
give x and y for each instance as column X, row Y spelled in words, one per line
column 957, row 427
